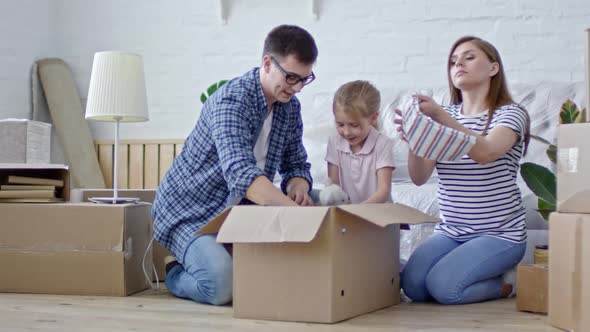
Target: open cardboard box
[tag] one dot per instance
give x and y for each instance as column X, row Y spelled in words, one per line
column 314, row 264
column 47, row 171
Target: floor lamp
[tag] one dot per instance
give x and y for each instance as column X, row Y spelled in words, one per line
column 117, row 94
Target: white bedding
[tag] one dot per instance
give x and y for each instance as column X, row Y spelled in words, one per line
column 422, row 198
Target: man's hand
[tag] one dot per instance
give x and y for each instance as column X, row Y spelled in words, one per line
column 298, row 191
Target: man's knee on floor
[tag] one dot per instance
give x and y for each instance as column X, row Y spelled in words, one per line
column 219, row 286
column 222, row 296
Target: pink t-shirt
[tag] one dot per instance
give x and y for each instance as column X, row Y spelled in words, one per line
column 358, row 171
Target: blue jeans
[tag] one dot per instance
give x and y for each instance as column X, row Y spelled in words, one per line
column 454, row 272
column 206, row 275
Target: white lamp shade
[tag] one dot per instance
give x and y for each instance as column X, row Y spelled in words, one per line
column 117, row 88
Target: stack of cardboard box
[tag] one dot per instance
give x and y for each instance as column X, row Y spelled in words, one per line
column 569, row 235
column 72, row 248
column 144, row 195
column 311, row 264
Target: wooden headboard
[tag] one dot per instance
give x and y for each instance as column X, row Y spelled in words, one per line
column 142, row 163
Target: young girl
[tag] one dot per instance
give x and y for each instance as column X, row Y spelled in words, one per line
column 360, row 159
column 482, row 233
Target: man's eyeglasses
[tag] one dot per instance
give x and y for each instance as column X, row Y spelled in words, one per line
column 291, row 78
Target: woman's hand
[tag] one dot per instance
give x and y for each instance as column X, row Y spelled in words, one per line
column 399, row 122
column 419, row 168
column 430, row 108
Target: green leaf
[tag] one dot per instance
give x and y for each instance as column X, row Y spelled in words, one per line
column 569, row 112
column 540, row 181
column 552, row 153
column 545, row 208
column 211, row 89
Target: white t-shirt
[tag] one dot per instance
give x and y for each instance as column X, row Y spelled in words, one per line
column 261, row 147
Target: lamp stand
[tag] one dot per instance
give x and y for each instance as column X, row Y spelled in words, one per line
column 115, row 199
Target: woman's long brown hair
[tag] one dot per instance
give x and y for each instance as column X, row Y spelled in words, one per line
column 498, row 95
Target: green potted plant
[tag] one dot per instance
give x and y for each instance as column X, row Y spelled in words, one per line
column 540, row 180
column 211, row 89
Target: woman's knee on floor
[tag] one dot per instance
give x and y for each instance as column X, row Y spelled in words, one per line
column 443, row 287
column 414, row 287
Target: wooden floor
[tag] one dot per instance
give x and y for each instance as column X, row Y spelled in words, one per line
column 159, row 311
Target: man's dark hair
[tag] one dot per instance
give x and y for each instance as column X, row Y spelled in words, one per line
column 286, row 40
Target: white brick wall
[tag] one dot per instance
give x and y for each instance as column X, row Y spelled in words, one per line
column 27, row 33
column 394, row 43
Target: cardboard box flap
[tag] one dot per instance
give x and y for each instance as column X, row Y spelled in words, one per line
column 388, row 213
column 574, row 201
column 214, row 224
column 32, row 166
column 271, row 224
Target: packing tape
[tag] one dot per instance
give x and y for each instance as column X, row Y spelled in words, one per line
column 128, row 249
column 568, row 160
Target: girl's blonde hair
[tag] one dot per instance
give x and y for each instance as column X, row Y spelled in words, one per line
column 358, row 98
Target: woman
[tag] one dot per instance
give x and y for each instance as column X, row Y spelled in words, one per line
column 482, row 233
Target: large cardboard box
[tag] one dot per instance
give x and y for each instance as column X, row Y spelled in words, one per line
column 145, row 195
column 582, row 277
column 314, row 264
column 562, row 247
column 84, row 249
column 569, row 270
column 532, row 288
column 573, row 168
column 45, row 171
column 30, row 141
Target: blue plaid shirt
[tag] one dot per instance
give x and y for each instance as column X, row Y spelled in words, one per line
column 217, row 164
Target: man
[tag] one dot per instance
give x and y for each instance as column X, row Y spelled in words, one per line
column 248, row 130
